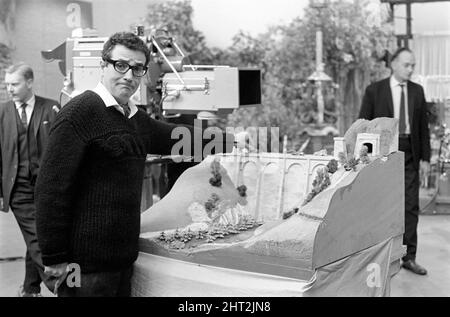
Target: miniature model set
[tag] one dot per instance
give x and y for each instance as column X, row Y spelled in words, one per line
column 286, row 215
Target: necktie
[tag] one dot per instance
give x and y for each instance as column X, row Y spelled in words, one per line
column 126, row 110
column 402, row 121
column 23, row 115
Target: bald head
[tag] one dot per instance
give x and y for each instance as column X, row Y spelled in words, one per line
column 402, row 64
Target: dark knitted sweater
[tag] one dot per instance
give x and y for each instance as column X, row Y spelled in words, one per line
column 88, row 192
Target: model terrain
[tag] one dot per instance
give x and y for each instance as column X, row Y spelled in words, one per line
column 283, row 214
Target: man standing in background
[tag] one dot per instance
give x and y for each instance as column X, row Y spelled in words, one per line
column 398, row 97
column 24, row 126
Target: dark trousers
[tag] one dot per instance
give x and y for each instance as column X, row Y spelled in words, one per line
column 411, row 200
column 23, row 208
column 99, row 284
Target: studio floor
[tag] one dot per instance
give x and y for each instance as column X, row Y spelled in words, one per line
column 433, row 254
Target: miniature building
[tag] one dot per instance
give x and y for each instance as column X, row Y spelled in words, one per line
column 371, row 140
column 277, row 182
column 339, row 147
column 386, row 128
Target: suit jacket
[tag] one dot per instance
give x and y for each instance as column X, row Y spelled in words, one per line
column 377, row 102
column 43, row 116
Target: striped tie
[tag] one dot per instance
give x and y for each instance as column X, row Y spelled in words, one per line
column 126, row 110
column 23, row 115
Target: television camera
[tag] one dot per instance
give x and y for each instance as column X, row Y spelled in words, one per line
column 173, row 90
column 172, row 86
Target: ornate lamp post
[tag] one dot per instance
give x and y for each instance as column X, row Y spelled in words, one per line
column 319, row 76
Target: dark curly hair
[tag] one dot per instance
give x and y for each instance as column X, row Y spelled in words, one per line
column 127, row 39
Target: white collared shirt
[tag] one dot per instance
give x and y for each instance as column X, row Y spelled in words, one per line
column 110, row 101
column 28, row 109
column 396, row 96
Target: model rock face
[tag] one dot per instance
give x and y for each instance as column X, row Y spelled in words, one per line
column 387, row 128
column 203, row 198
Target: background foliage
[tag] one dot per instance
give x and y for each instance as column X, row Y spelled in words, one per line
column 353, row 46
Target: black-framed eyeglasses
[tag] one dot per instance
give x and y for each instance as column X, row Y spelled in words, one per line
column 122, row 67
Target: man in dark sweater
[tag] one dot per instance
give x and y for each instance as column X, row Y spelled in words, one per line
column 88, row 191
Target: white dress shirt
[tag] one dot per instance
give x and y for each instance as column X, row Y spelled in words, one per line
column 396, row 96
column 110, row 101
column 28, row 109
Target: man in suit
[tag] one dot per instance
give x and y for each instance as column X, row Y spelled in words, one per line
column 398, row 97
column 24, row 126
